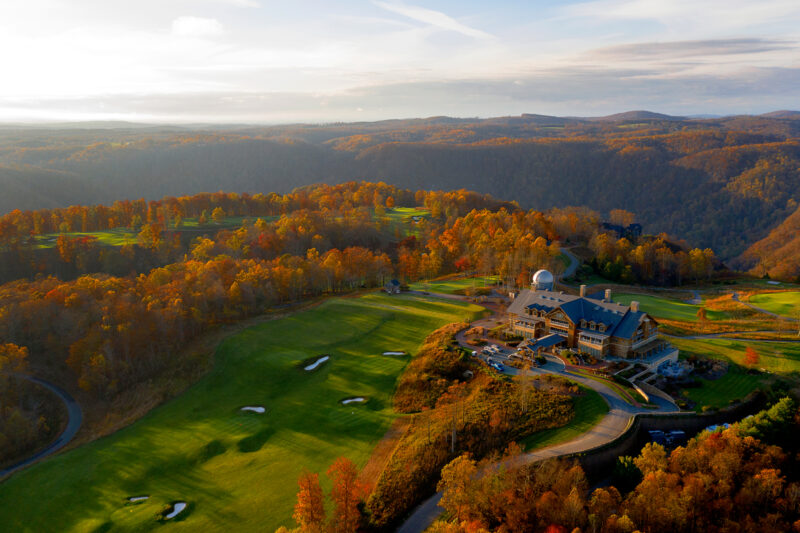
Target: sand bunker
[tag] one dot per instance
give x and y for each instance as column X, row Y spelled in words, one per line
column 318, row 362
column 254, row 408
column 133, row 499
column 177, row 509
column 354, row 400
column 394, row 353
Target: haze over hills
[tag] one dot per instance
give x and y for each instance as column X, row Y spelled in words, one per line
column 719, row 182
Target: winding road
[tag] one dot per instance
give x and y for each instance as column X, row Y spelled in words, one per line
column 614, row 424
column 74, row 419
column 574, row 262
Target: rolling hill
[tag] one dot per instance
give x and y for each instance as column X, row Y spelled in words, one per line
column 718, row 182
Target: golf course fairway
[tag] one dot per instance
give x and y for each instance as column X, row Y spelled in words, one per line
column 237, row 470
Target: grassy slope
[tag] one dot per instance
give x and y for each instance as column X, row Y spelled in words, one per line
column 780, row 358
column 121, row 236
column 781, row 303
column 453, row 286
column 252, row 482
column 589, row 410
column 667, row 308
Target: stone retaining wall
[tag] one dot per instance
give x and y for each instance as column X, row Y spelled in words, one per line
column 600, row 461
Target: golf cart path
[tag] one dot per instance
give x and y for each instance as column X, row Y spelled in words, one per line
column 609, row 428
column 74, row 419
column 614, row 424
column 574, row 262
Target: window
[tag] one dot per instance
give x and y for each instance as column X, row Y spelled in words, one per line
column 592, row 325
column 602, row 328
column 583, row 323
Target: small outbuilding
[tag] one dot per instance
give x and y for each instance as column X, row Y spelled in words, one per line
column 392, row 287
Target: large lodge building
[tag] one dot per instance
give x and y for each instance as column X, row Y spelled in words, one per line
column 591, row 324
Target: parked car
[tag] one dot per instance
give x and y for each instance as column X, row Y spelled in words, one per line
column 498, row 366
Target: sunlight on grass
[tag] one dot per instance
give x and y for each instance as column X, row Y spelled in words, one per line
column 234, row 466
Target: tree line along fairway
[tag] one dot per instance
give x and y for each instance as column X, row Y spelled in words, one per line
column 232, row 466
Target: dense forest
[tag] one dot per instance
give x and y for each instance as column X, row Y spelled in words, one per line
column 112, row 321
column 744, row 478
column 719, row 183
column 739, row 479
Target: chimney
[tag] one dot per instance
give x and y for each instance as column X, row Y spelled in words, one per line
column 608, row 296
column 634, row 306
column 583, row 291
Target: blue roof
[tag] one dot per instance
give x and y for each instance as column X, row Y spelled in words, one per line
column 619, row 320
column 547, row 341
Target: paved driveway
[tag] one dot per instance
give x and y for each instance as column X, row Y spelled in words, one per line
column 75, row 417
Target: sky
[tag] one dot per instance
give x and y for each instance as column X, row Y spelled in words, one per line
column 264, row 61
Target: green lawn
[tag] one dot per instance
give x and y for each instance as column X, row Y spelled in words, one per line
column 111, row 237
column 238, row 471
column 667, row 308
column 120, row 236
column 454, row 285
column 780, row 303
column 734, row 385
column 780, row 358
column 406, row 213
column 589, row 410
column 402, row 219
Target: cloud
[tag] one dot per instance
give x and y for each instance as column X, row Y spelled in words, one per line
column 238, row 3
column 196, row 27
column 685, row 49
column 689, row 15
column 432, row 18
column 563, row 91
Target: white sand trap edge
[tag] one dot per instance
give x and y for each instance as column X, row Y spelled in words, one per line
column 254, row 408
column 138, row 498
column 176, row 510
column 318, row 362
column 394, row 353
column 354, row 400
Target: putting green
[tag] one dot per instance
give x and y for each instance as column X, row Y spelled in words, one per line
column 238, row 470
column 780, row 303
column 667, row 308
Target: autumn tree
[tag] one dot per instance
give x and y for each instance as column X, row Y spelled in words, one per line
column 751, row 357
column 621, row 217
column 309, row 511
column 13, row 358
column 346, row 493
column 652, row 458
column 218, row 215
column 455, row 485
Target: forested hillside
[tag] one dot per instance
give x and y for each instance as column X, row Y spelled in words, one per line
column 778, row 254
column 719, row 183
